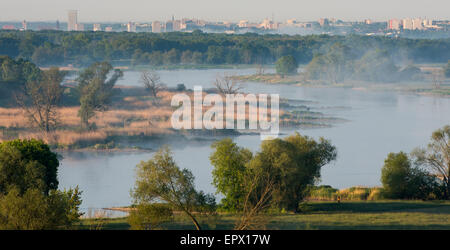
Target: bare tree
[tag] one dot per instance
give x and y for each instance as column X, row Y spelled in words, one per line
column 227, row 85
column 152, row 82
column 257, row 200
column 40, row 99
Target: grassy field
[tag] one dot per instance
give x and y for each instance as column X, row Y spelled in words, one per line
column 325, row 215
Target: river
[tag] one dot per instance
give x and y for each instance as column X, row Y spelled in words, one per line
column 378, row 123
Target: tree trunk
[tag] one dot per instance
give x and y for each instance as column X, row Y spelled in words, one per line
column 194, row 221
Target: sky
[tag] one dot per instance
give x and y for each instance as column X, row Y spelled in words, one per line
column 223, row 10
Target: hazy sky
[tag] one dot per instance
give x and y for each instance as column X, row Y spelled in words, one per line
column 230, row 10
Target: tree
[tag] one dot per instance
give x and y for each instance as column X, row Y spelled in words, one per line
column 335, row 65
column 152, row 82
column 229, row 172
column 227, row 85
column 29, row 198
column 41, row 99
column 27, row 164
column 376, row 66
column 96, row 89
column 436, row 157
column 36, row 211
column 281, row 170
column 401, row 180
column 396, row 176
column 258, row 187
column 161, row 180
column 294, row 163
column 286, row 65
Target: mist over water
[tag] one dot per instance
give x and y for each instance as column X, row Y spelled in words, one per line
column 378, row 123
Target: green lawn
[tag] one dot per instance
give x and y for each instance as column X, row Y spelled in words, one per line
column 326, row 215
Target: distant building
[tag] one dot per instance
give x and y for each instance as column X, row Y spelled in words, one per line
column 131, row 27
column 79, row 27
column 177, row 25
column 72, row 20
column 97, row 27
column 407, row 24
column 24, row 25
column 324, row 22
column 243, row 24
column 417, row 24
column 393, row 24
column 156, row 27
column 57, row 25
column 109, row 29
column 8, row 27
column 169, row 26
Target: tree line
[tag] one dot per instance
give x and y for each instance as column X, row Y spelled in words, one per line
column 83, row 48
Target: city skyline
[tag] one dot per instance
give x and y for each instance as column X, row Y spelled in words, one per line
column 232, row 10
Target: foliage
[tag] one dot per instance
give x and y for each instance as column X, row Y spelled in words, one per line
column 295, row 163
column 229, row 171
column 149, row 216
column 17, row 71
column 28, row 183
column 436, row 158
column 402, row 181
column 289, row 165
column 376, row 66
column 36, row 211
column 335, row 65
column 161, row 180
column 27, row 164
column 96, row 89
column 286, row 65
column 84, row 48
column 41, row 99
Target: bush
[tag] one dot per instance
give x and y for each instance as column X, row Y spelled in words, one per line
column 402, row 181
column 149, row 216
column 36, row 211
column 27, row 164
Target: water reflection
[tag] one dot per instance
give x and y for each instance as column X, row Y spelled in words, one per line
column 380, row 122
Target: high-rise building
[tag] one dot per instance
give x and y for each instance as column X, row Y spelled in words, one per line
column 72, row 20
column 24, row 25
column 407, row 24
column 393, row 24
column 169, row 26
column 324, row 22
column 417, row 24
column 156, row 27
column 176, row 25
column 97, row 27
column 131, row 27
column 57, row 24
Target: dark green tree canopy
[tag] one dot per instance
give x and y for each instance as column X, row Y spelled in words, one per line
column 286, row 65
column 292, row 164
column 26, row 164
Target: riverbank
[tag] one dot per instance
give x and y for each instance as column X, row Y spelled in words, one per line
column 320, row 215
column 425, row 87
column 134, row 117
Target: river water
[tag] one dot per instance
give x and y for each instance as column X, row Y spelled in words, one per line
column 378, row 123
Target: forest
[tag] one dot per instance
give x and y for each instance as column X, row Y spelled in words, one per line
column 55, row 48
